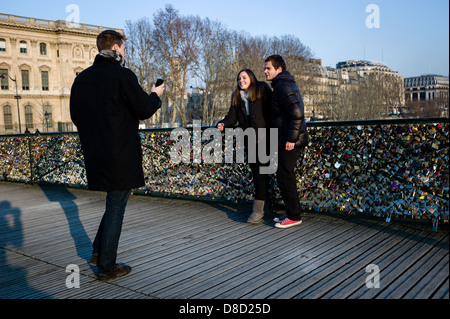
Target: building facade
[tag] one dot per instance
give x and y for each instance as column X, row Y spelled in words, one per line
column 426, row 87
column 329, row 91
column 39, row 60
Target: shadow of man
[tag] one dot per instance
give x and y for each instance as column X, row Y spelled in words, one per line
column 13, row 280
column 82, row 242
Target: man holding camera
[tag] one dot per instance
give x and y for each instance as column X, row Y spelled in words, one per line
column 106, row 105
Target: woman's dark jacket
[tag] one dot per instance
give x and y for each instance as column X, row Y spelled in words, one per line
column 259, row 110
column 288, row 113
column 106, row 104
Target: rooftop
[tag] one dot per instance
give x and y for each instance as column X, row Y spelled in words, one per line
column 49, row 25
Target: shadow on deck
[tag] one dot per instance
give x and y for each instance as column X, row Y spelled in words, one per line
column 181, row 249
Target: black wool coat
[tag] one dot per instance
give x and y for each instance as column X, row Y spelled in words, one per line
column 106, row 104
column 259, row 110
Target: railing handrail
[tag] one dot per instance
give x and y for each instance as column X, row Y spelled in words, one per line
column 355, row 123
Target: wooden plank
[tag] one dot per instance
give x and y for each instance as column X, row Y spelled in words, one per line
column 430, row 282
column 324, row 271
column 407, row 270
column 287, row 258
column 169, row 263
column 214, row 272
column 442, row 291
column 191, row 249
column 380, row 257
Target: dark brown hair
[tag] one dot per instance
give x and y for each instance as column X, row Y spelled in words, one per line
column 106, row 39
column 254, row 90
column 277, row 62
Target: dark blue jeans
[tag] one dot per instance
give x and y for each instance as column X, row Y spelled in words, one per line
column 107, row 239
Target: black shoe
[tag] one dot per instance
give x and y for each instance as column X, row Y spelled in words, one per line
column 118, row 271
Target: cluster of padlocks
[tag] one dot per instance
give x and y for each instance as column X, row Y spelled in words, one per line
column 383, row 169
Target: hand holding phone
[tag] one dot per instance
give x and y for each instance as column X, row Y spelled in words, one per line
column 158, row 87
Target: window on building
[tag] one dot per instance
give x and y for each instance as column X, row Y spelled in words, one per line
column 43, row 48
column 25, row 80
column 29, row 116
column 44, row 77
column 7, row 117
column 23, row 46
column 2, row 45
column 4, row 79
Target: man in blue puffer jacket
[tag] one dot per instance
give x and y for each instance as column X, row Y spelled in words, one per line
column 287, row 113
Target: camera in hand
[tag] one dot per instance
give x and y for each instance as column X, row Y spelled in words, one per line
column 159, row 82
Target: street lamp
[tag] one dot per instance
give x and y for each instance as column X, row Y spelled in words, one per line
column 46, row 116
column 17, row 97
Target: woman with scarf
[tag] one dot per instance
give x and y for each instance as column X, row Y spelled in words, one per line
column 250, row 108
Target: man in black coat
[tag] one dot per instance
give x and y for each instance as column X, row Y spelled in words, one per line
column 287, row 113
column 106, row 105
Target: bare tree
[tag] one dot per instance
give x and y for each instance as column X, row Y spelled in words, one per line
column 166, row 35
column 216, row 69
column 140, row 56
column 189, row 54
column 180, row 47
column 177, row 39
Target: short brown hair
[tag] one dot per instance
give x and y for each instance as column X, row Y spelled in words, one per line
column 106, row 39
column 277, row 62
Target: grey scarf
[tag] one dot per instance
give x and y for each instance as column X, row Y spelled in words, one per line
column 244, row 96
column 113, row 55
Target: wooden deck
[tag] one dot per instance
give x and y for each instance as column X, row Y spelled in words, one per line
column 181, row 249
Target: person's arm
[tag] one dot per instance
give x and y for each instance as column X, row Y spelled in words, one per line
column 294, row 111
column 230, row 119
column 143, row 105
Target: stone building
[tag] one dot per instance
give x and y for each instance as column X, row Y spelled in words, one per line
column 39, row 60
column 428, row 94
column 426, row 87
column 328, row 89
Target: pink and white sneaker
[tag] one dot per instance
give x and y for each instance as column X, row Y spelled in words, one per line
column 286, row 223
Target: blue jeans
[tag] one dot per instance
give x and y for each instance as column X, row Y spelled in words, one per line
column 106, row 241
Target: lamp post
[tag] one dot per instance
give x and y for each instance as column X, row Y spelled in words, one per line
column 46, row 116
column 17, row 97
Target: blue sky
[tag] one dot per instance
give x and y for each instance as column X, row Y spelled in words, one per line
column 412, row 38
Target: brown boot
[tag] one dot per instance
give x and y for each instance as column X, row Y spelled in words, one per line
column 117, row 272
column 258, row 212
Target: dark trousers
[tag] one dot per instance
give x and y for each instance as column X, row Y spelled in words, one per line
column 287, row 183
column 260, row 181
column 106, row 241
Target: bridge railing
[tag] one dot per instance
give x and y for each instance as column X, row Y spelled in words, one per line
column 387, row 168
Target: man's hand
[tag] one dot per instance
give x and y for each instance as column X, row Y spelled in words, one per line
column 158, row 89
column 290, row 146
